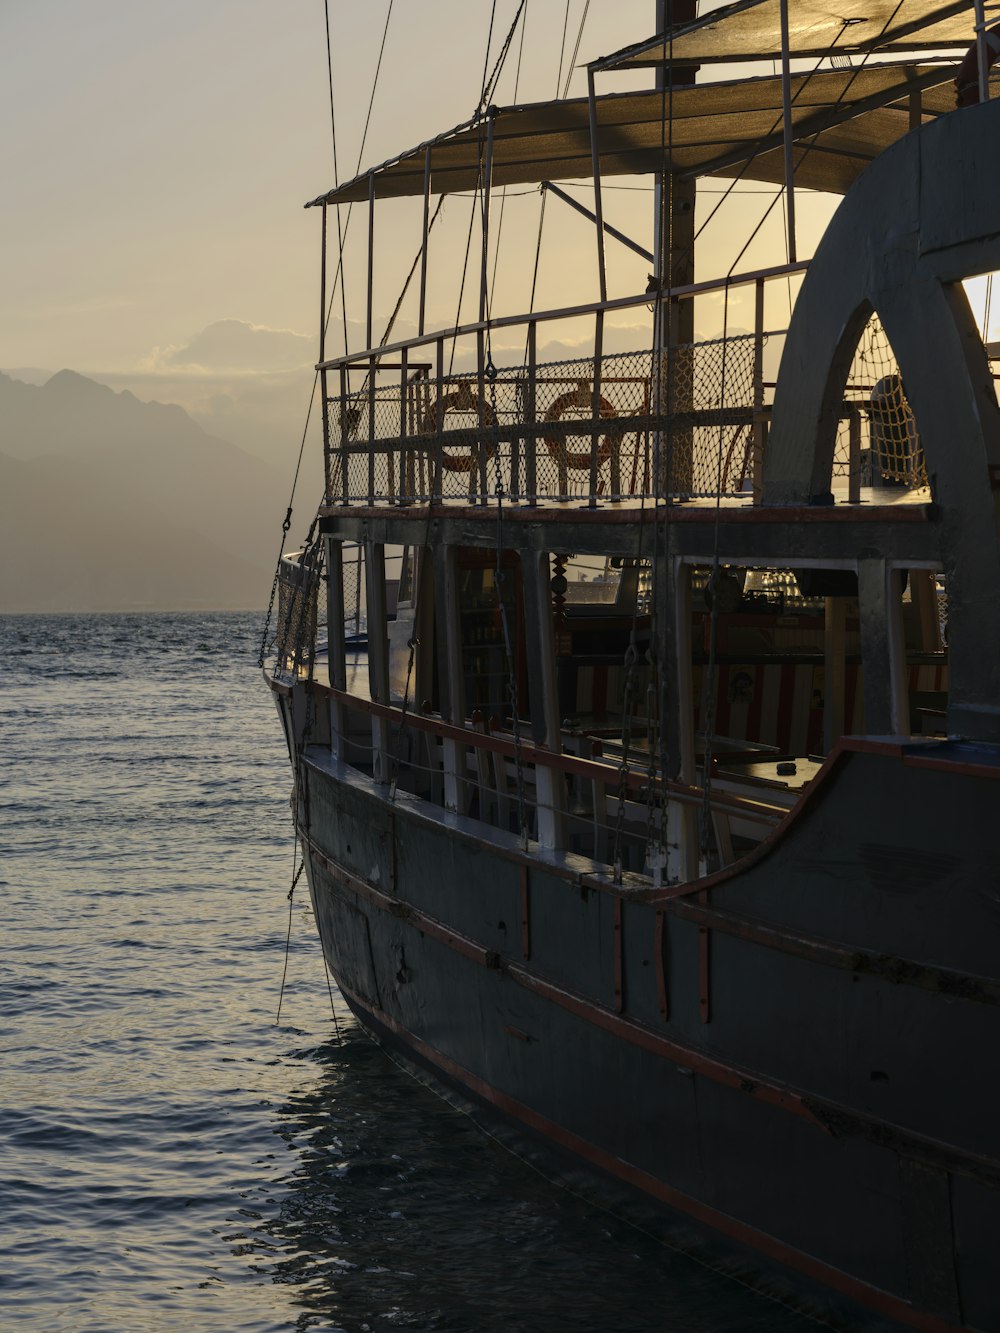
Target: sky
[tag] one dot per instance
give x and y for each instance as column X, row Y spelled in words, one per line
column 157, row 158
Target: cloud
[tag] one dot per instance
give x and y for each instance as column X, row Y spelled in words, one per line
column 233, row 346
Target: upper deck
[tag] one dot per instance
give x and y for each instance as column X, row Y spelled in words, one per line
column 669, row 398
column 607, row 436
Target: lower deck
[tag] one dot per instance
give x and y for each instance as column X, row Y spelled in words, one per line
column 648, row 694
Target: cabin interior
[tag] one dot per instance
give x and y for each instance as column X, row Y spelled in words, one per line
column 525, row 694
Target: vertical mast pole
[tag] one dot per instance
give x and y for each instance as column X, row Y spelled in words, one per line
column 676, row 237
column 371, row 257
column 982, row 59
column 487, row 187
column 322, row 356
column 602, row 275
column 322, row 292
column 423, row 244
column 786, row 129
column 595, row 158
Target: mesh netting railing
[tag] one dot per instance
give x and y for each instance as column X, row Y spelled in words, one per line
column 677, row 423
column 296, row 624
column 887, row 446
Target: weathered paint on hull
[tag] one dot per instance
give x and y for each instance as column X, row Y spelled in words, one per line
column 836, row 1119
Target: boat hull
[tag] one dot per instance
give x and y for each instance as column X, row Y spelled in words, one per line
column 778, row 1058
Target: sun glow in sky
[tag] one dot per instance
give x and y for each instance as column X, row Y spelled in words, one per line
column 157, row 158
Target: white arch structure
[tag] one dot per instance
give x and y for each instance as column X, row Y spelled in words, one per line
column 923, row 217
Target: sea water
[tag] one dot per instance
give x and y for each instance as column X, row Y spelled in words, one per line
column 173, row 1153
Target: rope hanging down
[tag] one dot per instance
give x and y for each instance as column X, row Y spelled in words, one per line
column 338, row 276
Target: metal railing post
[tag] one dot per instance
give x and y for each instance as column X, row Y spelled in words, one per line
column 405, row 456
column 786, row 124
column 595, row 437
column 530, row 406
column 423, row 244
column 757, row 465
column 372, row 366
column 345, row 438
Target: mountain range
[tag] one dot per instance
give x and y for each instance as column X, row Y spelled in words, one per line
column 111, row 503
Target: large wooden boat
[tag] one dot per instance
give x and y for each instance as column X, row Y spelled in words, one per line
column 658, row 819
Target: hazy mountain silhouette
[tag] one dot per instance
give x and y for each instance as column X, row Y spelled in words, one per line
column 108, row 503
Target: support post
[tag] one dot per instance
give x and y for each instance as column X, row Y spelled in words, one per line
column 595, row 157
column 786, row 131
column 854, row 456
column 531, row 439
column 423, row 243
column 675, row 251
column 378, row 655
column 324, row 392
column 335, row 639
column 345, row 440
column 595, row 437
column 679, row 759
column 883, row 651
column 487, row 190
column 982, row 59
column 543, row 689
column 759, row 425
column 449, row 644
column 423, row 626
column 371, row 259
column 834, row 670
column 407, row 478
column 372, row 371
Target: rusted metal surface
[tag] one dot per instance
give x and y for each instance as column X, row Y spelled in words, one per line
column 862, row 962
column 753, row 1084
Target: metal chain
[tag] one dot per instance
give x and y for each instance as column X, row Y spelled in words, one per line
column 262, row 655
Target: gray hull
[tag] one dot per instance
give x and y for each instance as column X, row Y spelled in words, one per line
column 797, row 1058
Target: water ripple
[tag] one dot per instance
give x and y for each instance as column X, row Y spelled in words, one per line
column 171, row 1157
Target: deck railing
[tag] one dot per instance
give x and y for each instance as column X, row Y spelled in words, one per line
column 678, row 421
column 677, row 418
column 620, row 426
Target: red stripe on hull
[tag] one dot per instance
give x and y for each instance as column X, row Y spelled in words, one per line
column 871, row 1297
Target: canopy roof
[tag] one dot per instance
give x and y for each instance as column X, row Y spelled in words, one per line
column 842, row 120
column 751, row 30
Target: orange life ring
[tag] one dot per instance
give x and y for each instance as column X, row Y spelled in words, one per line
column 967, row 78
column 461, row 399
column 579, row 460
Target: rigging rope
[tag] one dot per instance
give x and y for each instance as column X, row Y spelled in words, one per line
column 562, row 49
column 576, row 50
column 855, row 71
column 336, row 176
column 338, row 275
column 486, row 64
column 503, row 193
column 490, row 85
column 288, row 939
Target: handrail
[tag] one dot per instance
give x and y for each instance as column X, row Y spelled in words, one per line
column 362, row 359
column 755, row 810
